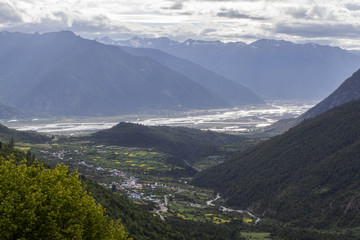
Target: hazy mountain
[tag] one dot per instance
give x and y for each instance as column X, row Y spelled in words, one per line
column 227, row 89
column 272, row 69
column 63, row 74
column 348, row 90
column 307, row 177
column 7, row 112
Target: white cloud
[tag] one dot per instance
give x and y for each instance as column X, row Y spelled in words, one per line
column 332, row 21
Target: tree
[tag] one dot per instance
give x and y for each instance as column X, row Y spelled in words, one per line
column 38, row 203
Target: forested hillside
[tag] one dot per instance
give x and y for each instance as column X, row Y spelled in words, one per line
column 25, row 136
column 307, row 177
column 182, row 143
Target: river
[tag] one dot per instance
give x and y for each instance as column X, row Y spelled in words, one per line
column 239, row 119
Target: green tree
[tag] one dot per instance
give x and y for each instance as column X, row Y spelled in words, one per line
column 38, row 203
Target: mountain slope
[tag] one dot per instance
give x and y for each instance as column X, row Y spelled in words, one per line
column 308, row 176
column 272, row 69
column 348, row 90
column 227, row 89
column 7, row 112
column 180, row 142
column 63, row 74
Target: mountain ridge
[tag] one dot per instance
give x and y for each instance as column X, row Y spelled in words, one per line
column 288, row 70
column 227, row 89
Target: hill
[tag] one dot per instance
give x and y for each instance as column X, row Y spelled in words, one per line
column 272, row 69
column 22, row 136
column 7, row 112
column 180, row 142
column 63, row 74
column 227, row 89
column 306, row 177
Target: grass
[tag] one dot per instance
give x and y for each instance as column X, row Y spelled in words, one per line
column 256, row 235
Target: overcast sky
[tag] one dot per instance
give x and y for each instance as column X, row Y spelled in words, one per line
column 333, row 22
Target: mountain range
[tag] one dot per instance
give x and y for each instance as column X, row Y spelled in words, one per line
column 63, row 74
column 273, row 69
column 227, row 89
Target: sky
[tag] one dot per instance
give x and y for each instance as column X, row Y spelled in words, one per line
column 329, row 22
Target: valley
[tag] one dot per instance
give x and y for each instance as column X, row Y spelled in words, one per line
column 241, row 120
column 144, row 175
column 187, row 140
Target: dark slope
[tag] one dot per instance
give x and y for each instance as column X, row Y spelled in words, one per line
column 180, row 142
column 309, row 176
column 63, row 74
column 227, row 89
column 7, row 112
column 21, row 136
column 272, row 69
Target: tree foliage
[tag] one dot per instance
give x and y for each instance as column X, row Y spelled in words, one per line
column 38, row 203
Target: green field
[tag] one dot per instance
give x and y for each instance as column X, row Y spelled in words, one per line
column 256, row 235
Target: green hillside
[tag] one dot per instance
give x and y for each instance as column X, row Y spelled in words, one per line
column 306, row 177
column 182, row 143
column 25, row 136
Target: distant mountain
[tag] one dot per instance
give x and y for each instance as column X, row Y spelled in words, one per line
column 348, row 91
column 7, row 112
column 180, row 142
column 227, row 89
column 63, row 74
column 307, row 177
column 272, row 69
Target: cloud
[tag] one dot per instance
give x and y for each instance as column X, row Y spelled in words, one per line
column 207, row 30
column 298, row 13
column 315, row 30
column 352, row 7
column 8, row 14
column 175, row 6
column 231, row 13
column 316, row 12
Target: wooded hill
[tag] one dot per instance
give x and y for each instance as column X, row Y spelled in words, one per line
column 180, row 142
column 25, row 136
column 306, row 177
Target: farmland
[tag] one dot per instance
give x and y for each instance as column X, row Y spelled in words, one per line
column 141, row 173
